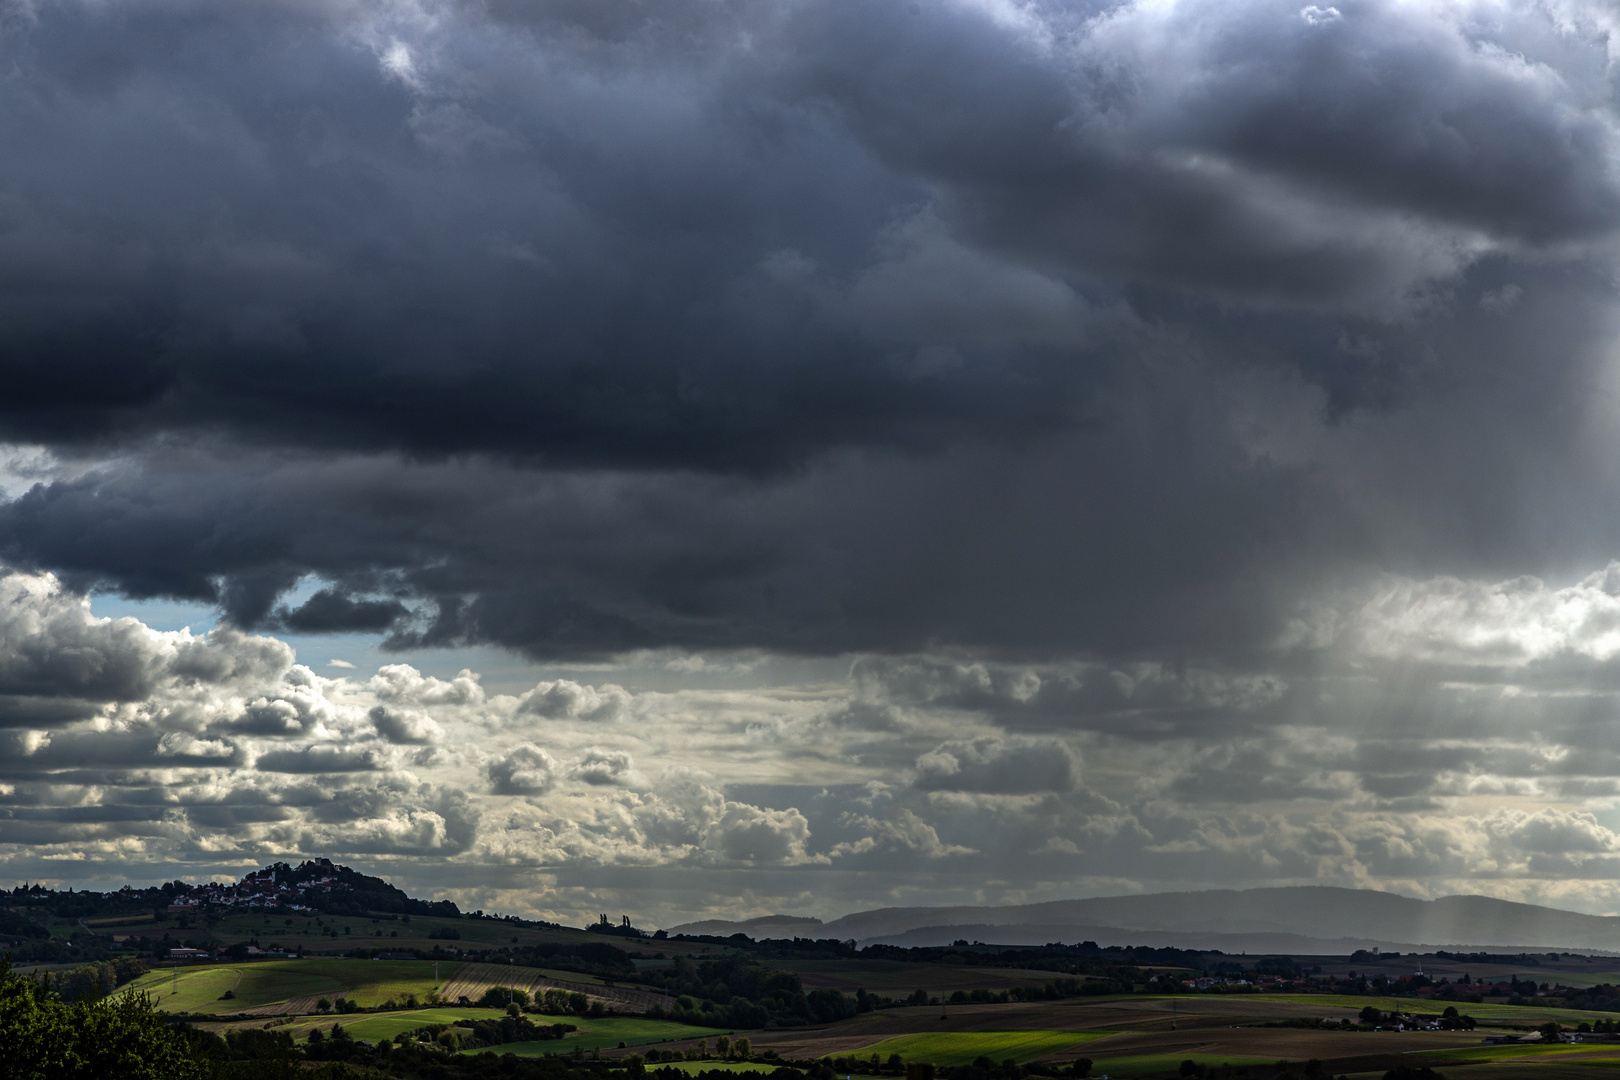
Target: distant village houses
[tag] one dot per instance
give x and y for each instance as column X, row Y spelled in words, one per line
column 260, row 889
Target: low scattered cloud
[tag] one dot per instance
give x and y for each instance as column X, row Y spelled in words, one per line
column 321, row 759
column 563, row 699
column 989, row 764
column 599, row 767
column 405, row 726
column 524, row 770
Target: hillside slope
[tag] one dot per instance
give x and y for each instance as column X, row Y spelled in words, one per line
column 1340, row 917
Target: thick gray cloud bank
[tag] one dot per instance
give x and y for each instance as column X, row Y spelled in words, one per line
column 1191, row 423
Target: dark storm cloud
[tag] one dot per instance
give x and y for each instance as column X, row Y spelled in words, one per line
column 631, row 241
column 1094, row 271
column 330, row 611
column 498, row 252
column 1185, row 386
column 1167, row 143
column 861, row 555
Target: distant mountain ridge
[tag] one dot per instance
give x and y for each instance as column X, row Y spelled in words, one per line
column 763, row 926
column 1304, row 918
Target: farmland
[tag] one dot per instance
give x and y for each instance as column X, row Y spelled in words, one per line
column 891, row 977
column 474, row 979
column 1486, row 1012
column 374, row 1027
column 962, row 1047
column 292, row 987
column 975, row 1012
column 1124, row 1035
column 287, row 986
column 1146, row 1036
column 592, row 1034
column 610, row 1034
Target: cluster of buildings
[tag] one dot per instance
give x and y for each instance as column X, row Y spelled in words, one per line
column 267, row 888
column 1209, row 981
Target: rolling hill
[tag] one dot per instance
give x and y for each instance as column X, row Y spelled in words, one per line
column 1297, row 919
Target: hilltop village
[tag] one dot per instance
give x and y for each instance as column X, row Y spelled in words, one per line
column 315, row 885
column 276, row 886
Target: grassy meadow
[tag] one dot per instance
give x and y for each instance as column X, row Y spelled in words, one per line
column 608, row 1034
column 963, row 1047
column 374, row 1027
column 262, row 984
column 1516, row 1015
column 295, row 985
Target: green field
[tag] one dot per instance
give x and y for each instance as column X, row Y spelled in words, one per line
column 592, row 1034
column 374, row 1027
column 264, row 983
column 1165, row 1064
column 962, row 1047
column 267, row 982
column 1528, row 1015
column 1510, row 1052
column 607, row 1035
column 376, row 981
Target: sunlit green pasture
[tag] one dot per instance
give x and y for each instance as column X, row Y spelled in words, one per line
column 199, row 988
column 1509, row 1052
column 963, row 1047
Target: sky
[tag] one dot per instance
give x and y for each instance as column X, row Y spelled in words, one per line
column 713, row 458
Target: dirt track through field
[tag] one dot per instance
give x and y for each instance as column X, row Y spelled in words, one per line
column 472, row 980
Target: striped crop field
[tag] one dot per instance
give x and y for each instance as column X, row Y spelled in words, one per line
column 963, row 1047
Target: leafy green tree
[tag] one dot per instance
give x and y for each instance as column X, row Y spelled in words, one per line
column 116, row 1038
